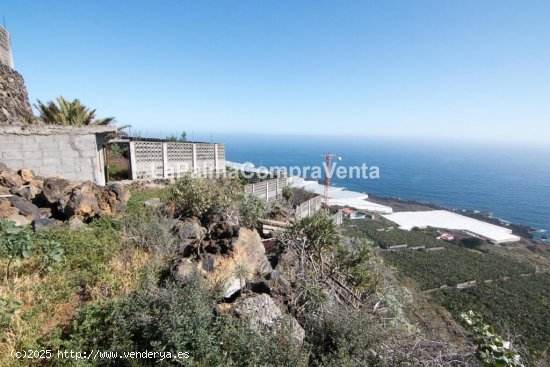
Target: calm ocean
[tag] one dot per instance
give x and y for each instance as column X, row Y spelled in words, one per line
column 512, row 182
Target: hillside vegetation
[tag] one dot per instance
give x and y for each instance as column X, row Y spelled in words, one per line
column 183, row 273
column 508, row 288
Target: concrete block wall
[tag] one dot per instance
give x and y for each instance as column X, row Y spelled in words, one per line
column 268, row 189
column 74, row 157
column 155, row 159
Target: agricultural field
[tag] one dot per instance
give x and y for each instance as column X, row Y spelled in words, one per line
column 516, row 299
column 520, row 305
column 384, row 237
column 453, row 265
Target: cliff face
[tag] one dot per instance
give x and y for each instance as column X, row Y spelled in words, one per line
column 14, row 100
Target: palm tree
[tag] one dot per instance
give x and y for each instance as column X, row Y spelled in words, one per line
column 69, row 113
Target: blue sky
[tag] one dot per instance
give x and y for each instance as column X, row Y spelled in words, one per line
column 471, row 69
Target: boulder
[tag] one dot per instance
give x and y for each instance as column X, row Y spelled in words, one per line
column 232, row 286
column 185, row 270
column 6, row 209
column 263, row 314
column 84, row 199
column 45, row 212
column 224, row 224
column 245, row 262
column 10, row 180
column 19, row 220
column 38, row 184
column 113, row 199
column 278, row 284
column 55, row 189
column 75, row 223
column 40, row 223
column 190, row 228
column 153, row 203
column 25, row 207
column 187, row 246
column 26, row 192
column 26, row 175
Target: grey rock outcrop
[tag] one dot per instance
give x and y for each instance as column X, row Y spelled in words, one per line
column 263, row 314
column 245, row 261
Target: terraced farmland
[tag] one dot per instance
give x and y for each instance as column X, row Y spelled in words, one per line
column 520, row 304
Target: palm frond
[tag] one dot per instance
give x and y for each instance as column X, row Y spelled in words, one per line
column 66, row 112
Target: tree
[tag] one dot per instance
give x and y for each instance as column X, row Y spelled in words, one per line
column 66, row 112
column 471, row 242
column 182, row 138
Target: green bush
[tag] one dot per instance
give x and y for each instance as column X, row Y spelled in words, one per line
column 198, row 197
column 492, row 349
column 16, row 243
column 8, row 306
column 52, row 253
column 251, row 209
column 471, row 242
column 341, row 337
column 175, row 319
column 287, row 193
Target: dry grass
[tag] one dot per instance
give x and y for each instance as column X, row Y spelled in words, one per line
column 50, row 301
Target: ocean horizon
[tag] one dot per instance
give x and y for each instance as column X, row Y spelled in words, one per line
column 508, row 180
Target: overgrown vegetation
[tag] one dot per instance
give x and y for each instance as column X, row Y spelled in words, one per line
column 109, row 287
column 508, row 292
column 195, row 197
column 492, row 349
column 171, row 319
column 251, row 209
column 519, row 304
column 67, row 269
column 118, row 163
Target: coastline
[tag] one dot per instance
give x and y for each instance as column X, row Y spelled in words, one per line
column 400, row 205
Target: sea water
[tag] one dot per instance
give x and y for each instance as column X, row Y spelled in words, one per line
column 510, row 181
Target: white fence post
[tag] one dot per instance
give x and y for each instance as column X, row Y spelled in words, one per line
column 133, row 166
column 216, row 164
column 194, row 157
column 165, row 160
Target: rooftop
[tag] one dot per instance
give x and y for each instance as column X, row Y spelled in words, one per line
column 450, row 220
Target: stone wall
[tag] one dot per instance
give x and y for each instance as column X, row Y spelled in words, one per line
column 14, row 100
column 69, row 153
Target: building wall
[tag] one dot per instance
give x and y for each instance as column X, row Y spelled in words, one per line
column 74, row 157
column 5, row 48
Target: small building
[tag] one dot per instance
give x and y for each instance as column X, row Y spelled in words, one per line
column 71, row 152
